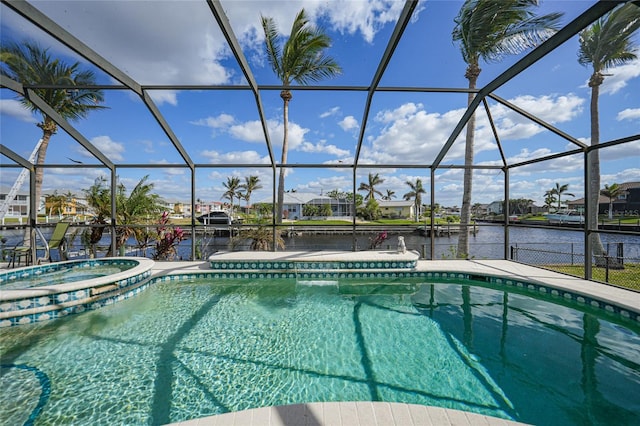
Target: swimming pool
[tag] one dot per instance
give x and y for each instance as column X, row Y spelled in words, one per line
column 192, row 347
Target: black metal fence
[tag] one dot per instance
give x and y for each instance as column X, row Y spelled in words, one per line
column 613, row 267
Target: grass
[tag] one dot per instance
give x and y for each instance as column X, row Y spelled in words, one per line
column 629, row 277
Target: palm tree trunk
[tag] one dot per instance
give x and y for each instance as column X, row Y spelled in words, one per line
column 48, row 129
column 594, row 169
column 465, row 210
column 286, row 97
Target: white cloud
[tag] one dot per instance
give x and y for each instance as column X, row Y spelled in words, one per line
column 402, row 112
column 251, row 131
column 235, row 157
column 413, row 134
column 364, row 17
column 111, row 149
column 330, row 112
column 221, row 121
column 629, row 114
column 322, row 147
column 349, row 123
column 619, row 76
column 15, row 109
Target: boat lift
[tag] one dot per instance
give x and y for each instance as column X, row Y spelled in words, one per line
column 4, row 207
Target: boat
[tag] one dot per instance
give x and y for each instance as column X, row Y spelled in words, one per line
column 565, row 216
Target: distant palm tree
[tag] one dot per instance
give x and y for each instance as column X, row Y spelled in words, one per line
column 301, row 59
column 416, row 193
column 549, row 199
column 612, row 192
column 488, row 30
column 232, row 185
column 605, row 43
column 98, row 198
column 30, row 64
column 251, row 183
column 136, row 208
column 389, row 195
column 370, row 187
column 558, row 191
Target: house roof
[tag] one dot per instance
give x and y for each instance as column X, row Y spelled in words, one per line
column 403, row 203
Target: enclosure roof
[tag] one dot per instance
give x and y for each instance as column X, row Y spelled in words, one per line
column 191, row 80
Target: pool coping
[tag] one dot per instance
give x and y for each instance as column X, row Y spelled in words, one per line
column 349, row 413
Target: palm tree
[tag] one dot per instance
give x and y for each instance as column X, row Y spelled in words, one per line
column 98, row 198
column 232, row 185
column 612, row 192
column 605, row 43
column 416, row 193
column 251, row 183
column 30, row 64
column 134, row 209
column 374, row 180
column 301, row 59
column 56, row 203
column 558, row 191
column 549, row 199
column 488, row 30
column 389, row 195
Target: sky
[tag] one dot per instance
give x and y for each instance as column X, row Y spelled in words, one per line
column 179, row 43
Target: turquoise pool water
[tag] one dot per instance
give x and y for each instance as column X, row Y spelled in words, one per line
column 189, row 349
column 66, row 273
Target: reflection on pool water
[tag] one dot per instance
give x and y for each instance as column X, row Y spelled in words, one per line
column 187, row 349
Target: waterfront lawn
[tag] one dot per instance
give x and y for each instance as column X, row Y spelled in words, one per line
column 629, row 277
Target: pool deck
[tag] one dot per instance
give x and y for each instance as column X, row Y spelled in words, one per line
column 349, row 414
column 384, row 413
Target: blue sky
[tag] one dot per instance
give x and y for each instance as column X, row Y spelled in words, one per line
column 178, row 42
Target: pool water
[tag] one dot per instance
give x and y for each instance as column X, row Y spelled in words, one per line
column 187, row 349
column 76, row 272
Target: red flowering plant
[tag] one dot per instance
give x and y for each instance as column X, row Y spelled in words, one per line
column 168, row 239
column 374, row 243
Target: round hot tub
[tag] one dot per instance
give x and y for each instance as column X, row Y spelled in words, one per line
column 44, row 292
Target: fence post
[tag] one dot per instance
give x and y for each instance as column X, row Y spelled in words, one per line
column 620, row 254
column 513, row 252
column 606, row 265
column 571, row 254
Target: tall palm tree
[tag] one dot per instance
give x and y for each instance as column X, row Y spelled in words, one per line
column 251, row 183
column 416, row 193
column 30, row 64
column 612, row 192
column 232, row 185
column 605, row 43
column 370, row 187
column 301, row 59
column 558, row 191
column 489, row 30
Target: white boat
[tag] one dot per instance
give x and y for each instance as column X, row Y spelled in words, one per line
column 565, row 216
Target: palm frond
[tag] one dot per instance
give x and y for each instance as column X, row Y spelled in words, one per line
column 608, row 41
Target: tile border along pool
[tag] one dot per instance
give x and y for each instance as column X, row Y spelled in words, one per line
column 45, row 303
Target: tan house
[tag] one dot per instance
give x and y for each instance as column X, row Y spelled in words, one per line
column 397, row 209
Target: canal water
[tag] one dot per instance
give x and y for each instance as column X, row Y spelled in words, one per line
column 487, row 243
